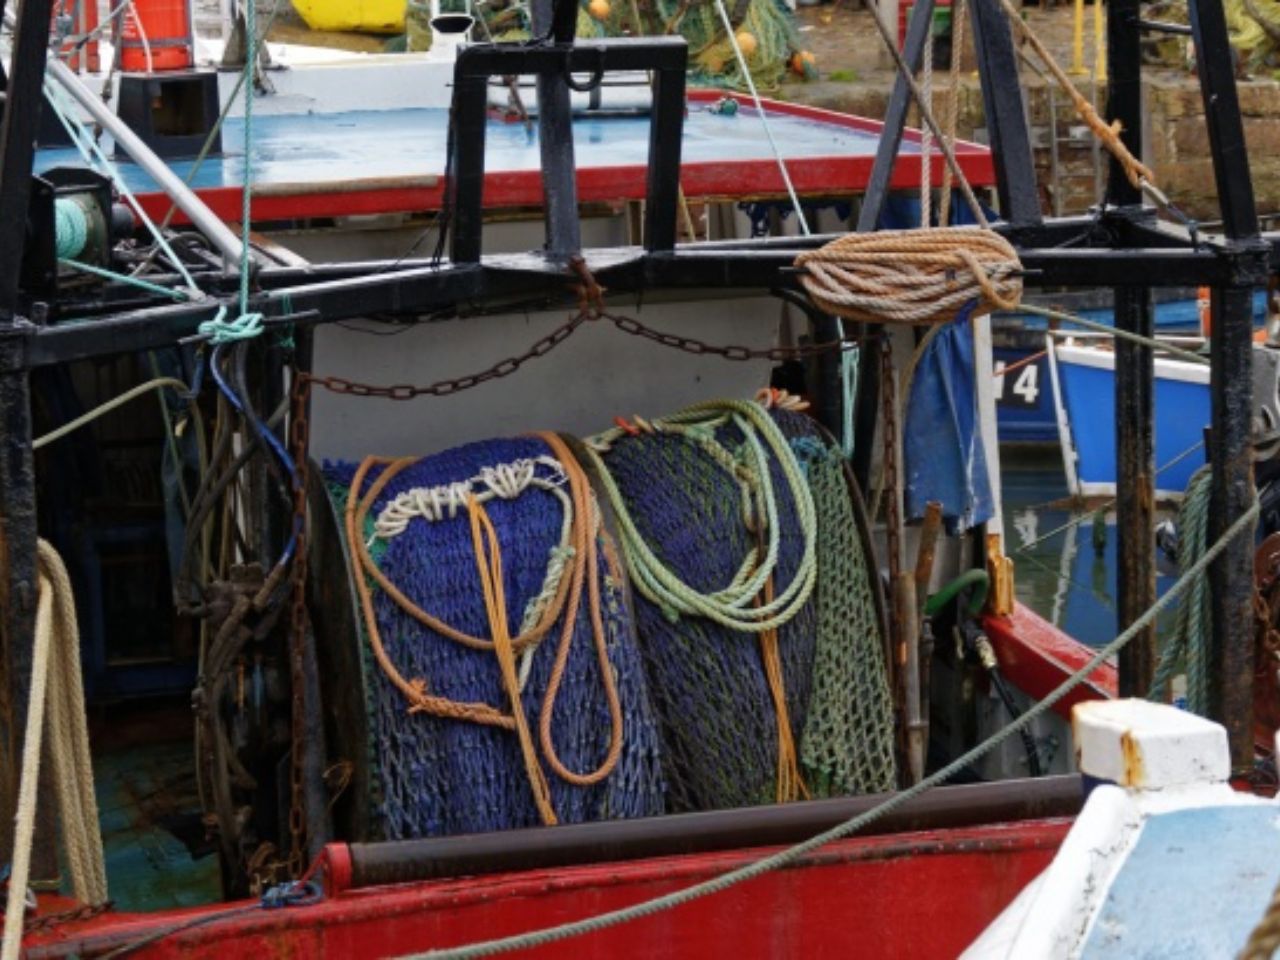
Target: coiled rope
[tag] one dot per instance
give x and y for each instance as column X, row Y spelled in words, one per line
column 733, row 606
column 790, row 855
column 559, row 600
column 750, row 602
column 912, row 276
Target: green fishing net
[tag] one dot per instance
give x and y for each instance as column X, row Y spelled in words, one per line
column 766, row 30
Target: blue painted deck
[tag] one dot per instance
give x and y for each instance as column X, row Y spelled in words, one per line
column 329, row 148
column 157, row 854
column 1193, row 887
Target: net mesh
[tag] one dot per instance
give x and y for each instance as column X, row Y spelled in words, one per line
column 709, row 687
column 700, row 725
column 437, row 776
column 767, row 27
column 848, row 741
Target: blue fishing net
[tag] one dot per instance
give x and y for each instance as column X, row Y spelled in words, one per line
column 719, row 725
column 435, row 776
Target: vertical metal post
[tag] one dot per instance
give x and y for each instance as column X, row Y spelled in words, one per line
column 23, row 97
column 555, row 133
column 666, row 133
column 1007, row 129
column 1135, row 486
column 18, row 583
column 895, row 118
column 1135, row 372
column 1231, row 576
column 466, row 165
column 1231, row 352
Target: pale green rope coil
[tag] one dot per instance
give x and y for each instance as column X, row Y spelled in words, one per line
column 70, row 228
column 783, row 858
column 732, row 605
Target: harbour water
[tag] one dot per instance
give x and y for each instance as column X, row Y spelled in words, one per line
column 1065, row 559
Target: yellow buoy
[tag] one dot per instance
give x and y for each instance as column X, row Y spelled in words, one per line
column 368, row 16
column 746, row 42
column 599, row 9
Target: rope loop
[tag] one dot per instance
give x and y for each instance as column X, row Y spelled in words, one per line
column 220, row 330
column 913, row 276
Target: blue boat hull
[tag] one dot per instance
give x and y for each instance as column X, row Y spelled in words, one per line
column 1182, row 408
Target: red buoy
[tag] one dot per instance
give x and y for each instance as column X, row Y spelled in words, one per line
column 155, row 35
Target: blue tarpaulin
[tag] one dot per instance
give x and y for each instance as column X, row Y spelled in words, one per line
column 945, row 460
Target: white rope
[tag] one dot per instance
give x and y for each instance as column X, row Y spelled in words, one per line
column 55, row 680
column 764, row 120
column 505, row 481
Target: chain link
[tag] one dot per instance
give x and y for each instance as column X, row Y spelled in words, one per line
column 299, row 437
column 43, row 924
column 543, row 346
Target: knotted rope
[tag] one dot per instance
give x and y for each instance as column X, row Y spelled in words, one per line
column 912, row 276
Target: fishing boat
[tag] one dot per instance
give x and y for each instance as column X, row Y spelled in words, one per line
column 610, row 631
column 1031, row 409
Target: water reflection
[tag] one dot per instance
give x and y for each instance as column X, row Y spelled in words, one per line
column 1065, row 557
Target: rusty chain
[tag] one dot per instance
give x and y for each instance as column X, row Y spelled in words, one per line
column 544, row 345
column 299, row 429
column 45, row 923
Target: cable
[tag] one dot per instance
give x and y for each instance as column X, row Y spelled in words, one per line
column 158, row 383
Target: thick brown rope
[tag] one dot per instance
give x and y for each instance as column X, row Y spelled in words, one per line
column 1264, row 941
column 1108, row 134
column 913, row 276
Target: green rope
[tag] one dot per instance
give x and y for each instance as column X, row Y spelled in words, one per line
column 71, row 228
column 731, row 606
column 221, row 330
column 1117, row 332
column 783, row 858
column 124, row 278
column 1186, row 645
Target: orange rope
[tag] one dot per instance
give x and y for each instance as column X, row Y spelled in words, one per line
column 790, row 784
column 586, row 522
column 584, row 530
column 489, row 567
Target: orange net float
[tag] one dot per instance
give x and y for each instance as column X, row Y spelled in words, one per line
column 155, row 35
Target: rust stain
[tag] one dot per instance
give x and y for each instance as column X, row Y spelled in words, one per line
column 1133, row 773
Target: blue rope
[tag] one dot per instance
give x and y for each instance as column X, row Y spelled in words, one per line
column 266, row 435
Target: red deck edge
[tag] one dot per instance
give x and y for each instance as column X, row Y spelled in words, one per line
column 818, row 176
column 924, row 895
column 1037, row 658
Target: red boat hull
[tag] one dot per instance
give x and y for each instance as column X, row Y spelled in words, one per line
column 925, row 894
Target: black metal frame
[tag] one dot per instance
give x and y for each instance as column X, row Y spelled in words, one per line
column 1120, row 246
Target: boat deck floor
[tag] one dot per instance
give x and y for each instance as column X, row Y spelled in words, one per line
column 315, row 165
column 158, row 853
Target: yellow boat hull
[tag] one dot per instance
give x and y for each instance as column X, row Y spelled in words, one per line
column 365, row 16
